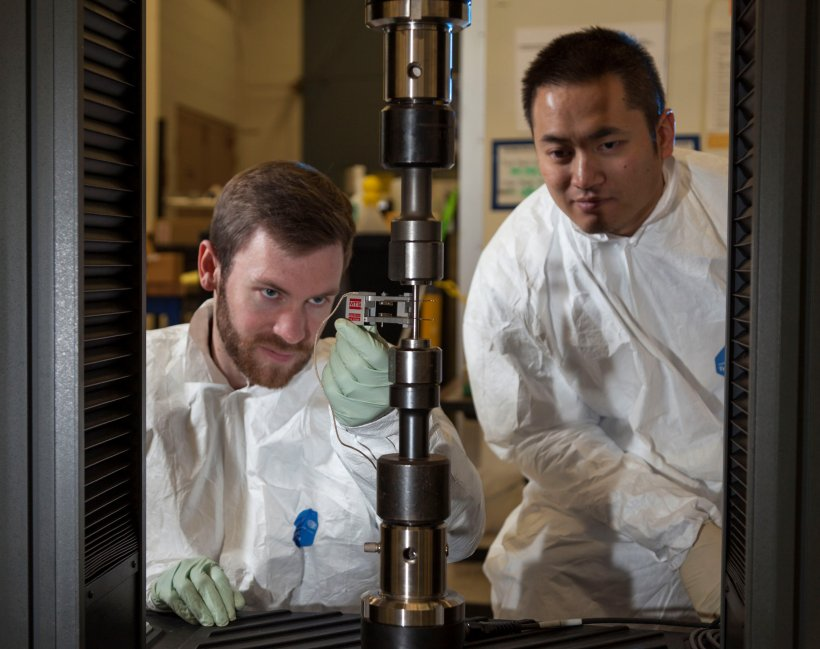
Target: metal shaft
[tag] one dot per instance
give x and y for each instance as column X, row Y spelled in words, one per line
column 413, row 607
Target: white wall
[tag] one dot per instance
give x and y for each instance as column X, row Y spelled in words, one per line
column 270, row 60
column 238, row 61
column 198, row 41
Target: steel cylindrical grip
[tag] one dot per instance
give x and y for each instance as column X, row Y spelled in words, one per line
column 418, row 135
column 416, row 253
column 413, row 492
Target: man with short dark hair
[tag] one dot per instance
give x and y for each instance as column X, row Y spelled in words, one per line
column 593, row 335
column 258, row 493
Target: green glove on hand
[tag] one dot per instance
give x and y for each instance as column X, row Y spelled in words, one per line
column 198, row 591
column 355, row 379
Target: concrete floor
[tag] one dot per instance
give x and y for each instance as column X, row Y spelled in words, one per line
column 466, row 579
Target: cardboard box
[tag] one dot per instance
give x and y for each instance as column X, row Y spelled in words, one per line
column 187, row 207
column 181, row 230
column 190, row 212
column 162, row 273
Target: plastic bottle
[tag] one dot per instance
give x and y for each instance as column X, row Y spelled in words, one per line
column 370, row 216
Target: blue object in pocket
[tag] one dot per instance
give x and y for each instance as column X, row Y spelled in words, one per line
column 720, row 362
column 307, row 522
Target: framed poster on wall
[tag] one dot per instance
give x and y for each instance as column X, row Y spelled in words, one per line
column 515, row 173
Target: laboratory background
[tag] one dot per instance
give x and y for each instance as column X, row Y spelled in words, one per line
column 230, row 84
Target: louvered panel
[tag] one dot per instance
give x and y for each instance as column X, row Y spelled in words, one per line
column 739, row 367
column 112, row 19
column 99, row 162
column 104, row 136
column 112, row 271
column 106, row 397
column 106, row 52
column 105, row 109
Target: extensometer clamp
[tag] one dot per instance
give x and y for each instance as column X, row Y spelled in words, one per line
column 367, row 309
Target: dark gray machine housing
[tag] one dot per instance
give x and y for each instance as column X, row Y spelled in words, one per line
column 772, row 574
column 72, row 361
column 771, row 514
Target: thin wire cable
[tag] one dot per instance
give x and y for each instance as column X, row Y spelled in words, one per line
column 702, row 636
column 319, row 378
column 705, row 639
column 657, row 621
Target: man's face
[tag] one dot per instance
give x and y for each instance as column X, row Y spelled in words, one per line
column 269, row 308
column 597, row 156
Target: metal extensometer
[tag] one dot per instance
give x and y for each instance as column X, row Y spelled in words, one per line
column 413, row 607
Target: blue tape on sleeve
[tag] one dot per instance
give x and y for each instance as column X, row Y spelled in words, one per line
column 307, row 522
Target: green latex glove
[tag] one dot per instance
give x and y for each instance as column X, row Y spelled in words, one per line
column 198, row 591
column 355, row 378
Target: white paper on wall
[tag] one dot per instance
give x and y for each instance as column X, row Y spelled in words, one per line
column 530, row 40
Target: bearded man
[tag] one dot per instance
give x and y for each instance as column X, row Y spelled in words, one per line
column 260, row 484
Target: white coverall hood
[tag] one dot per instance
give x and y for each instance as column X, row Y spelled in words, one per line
column 228, row 473
column 595, row 366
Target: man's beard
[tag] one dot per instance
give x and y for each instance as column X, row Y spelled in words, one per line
column 241, row 350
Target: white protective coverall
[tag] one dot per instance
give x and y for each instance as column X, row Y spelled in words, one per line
column 595, row 366
column 229, row 471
